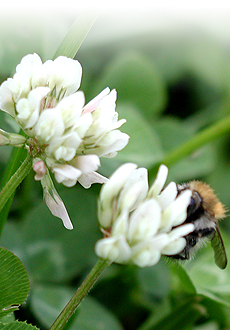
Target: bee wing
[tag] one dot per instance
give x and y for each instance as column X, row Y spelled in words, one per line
column 219, row 249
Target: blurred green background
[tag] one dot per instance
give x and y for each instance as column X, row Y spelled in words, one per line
column 171, row 71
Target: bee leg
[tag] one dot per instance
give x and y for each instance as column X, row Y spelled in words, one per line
column 205, row 232
column 186, row 249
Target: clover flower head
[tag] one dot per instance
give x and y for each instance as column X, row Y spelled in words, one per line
column 140, row 223
column 65, row 135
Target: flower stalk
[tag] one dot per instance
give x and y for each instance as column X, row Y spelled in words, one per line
column 15, row 181
column 202, row 138
column 82, row 291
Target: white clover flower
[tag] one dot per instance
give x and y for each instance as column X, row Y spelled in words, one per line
column 43, row 99
column 63, row 135
column 140, row 224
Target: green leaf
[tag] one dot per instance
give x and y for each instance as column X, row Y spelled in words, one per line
column 136, row 80
column 18, row 326
column 47, row 303
column 93, row 316
column 155, row 280
column 14, row 282
column 208, row 279
column 216, row 312
column 9, row 318
column 47, row 248
column 181, row 281
column 171, row 316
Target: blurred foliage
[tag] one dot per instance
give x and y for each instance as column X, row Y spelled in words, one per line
column 169, row 88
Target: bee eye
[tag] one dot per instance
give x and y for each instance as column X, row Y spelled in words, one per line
column 191, row 207
column 194, row 204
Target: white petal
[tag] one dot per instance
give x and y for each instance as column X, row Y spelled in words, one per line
column 145, row 256
column 135, row 189
column 50, row 125
column 176, row 240
column 64, row 147
column 58, row 209
column 71, row 108
column 159, row 182
column 159, row 241
column 110, row 191
column 92, row 105
column 66, row 174
column 175, row 247
column 108, row 101
column 86, row 163
column 115, row 249
column 116, row 182
column 28, row 63
column 181, row 204
column 168, row 195
column 66, row 74
column 41, row 74
column 26, row 68
column 118, row 124
column 181, row 231
column 28, row 109
column 118, row 142
column 82, row 124
column 86, row 180
column 54, row 202
column 176, row 212
column 144, row 221
column 6, row 97
column 120, row 225
column 24, row 110
column 24, row 73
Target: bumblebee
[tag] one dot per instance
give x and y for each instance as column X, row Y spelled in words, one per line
column 204, row 211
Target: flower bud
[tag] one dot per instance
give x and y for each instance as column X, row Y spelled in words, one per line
column 12, row 139
column 39, row 168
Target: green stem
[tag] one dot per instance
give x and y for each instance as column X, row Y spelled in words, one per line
column 209, row 134
column 14, row 181
column 80, row 294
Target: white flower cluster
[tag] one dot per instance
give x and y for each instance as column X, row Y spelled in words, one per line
column 141, row 224
column 65, row 135
column 68, row 136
